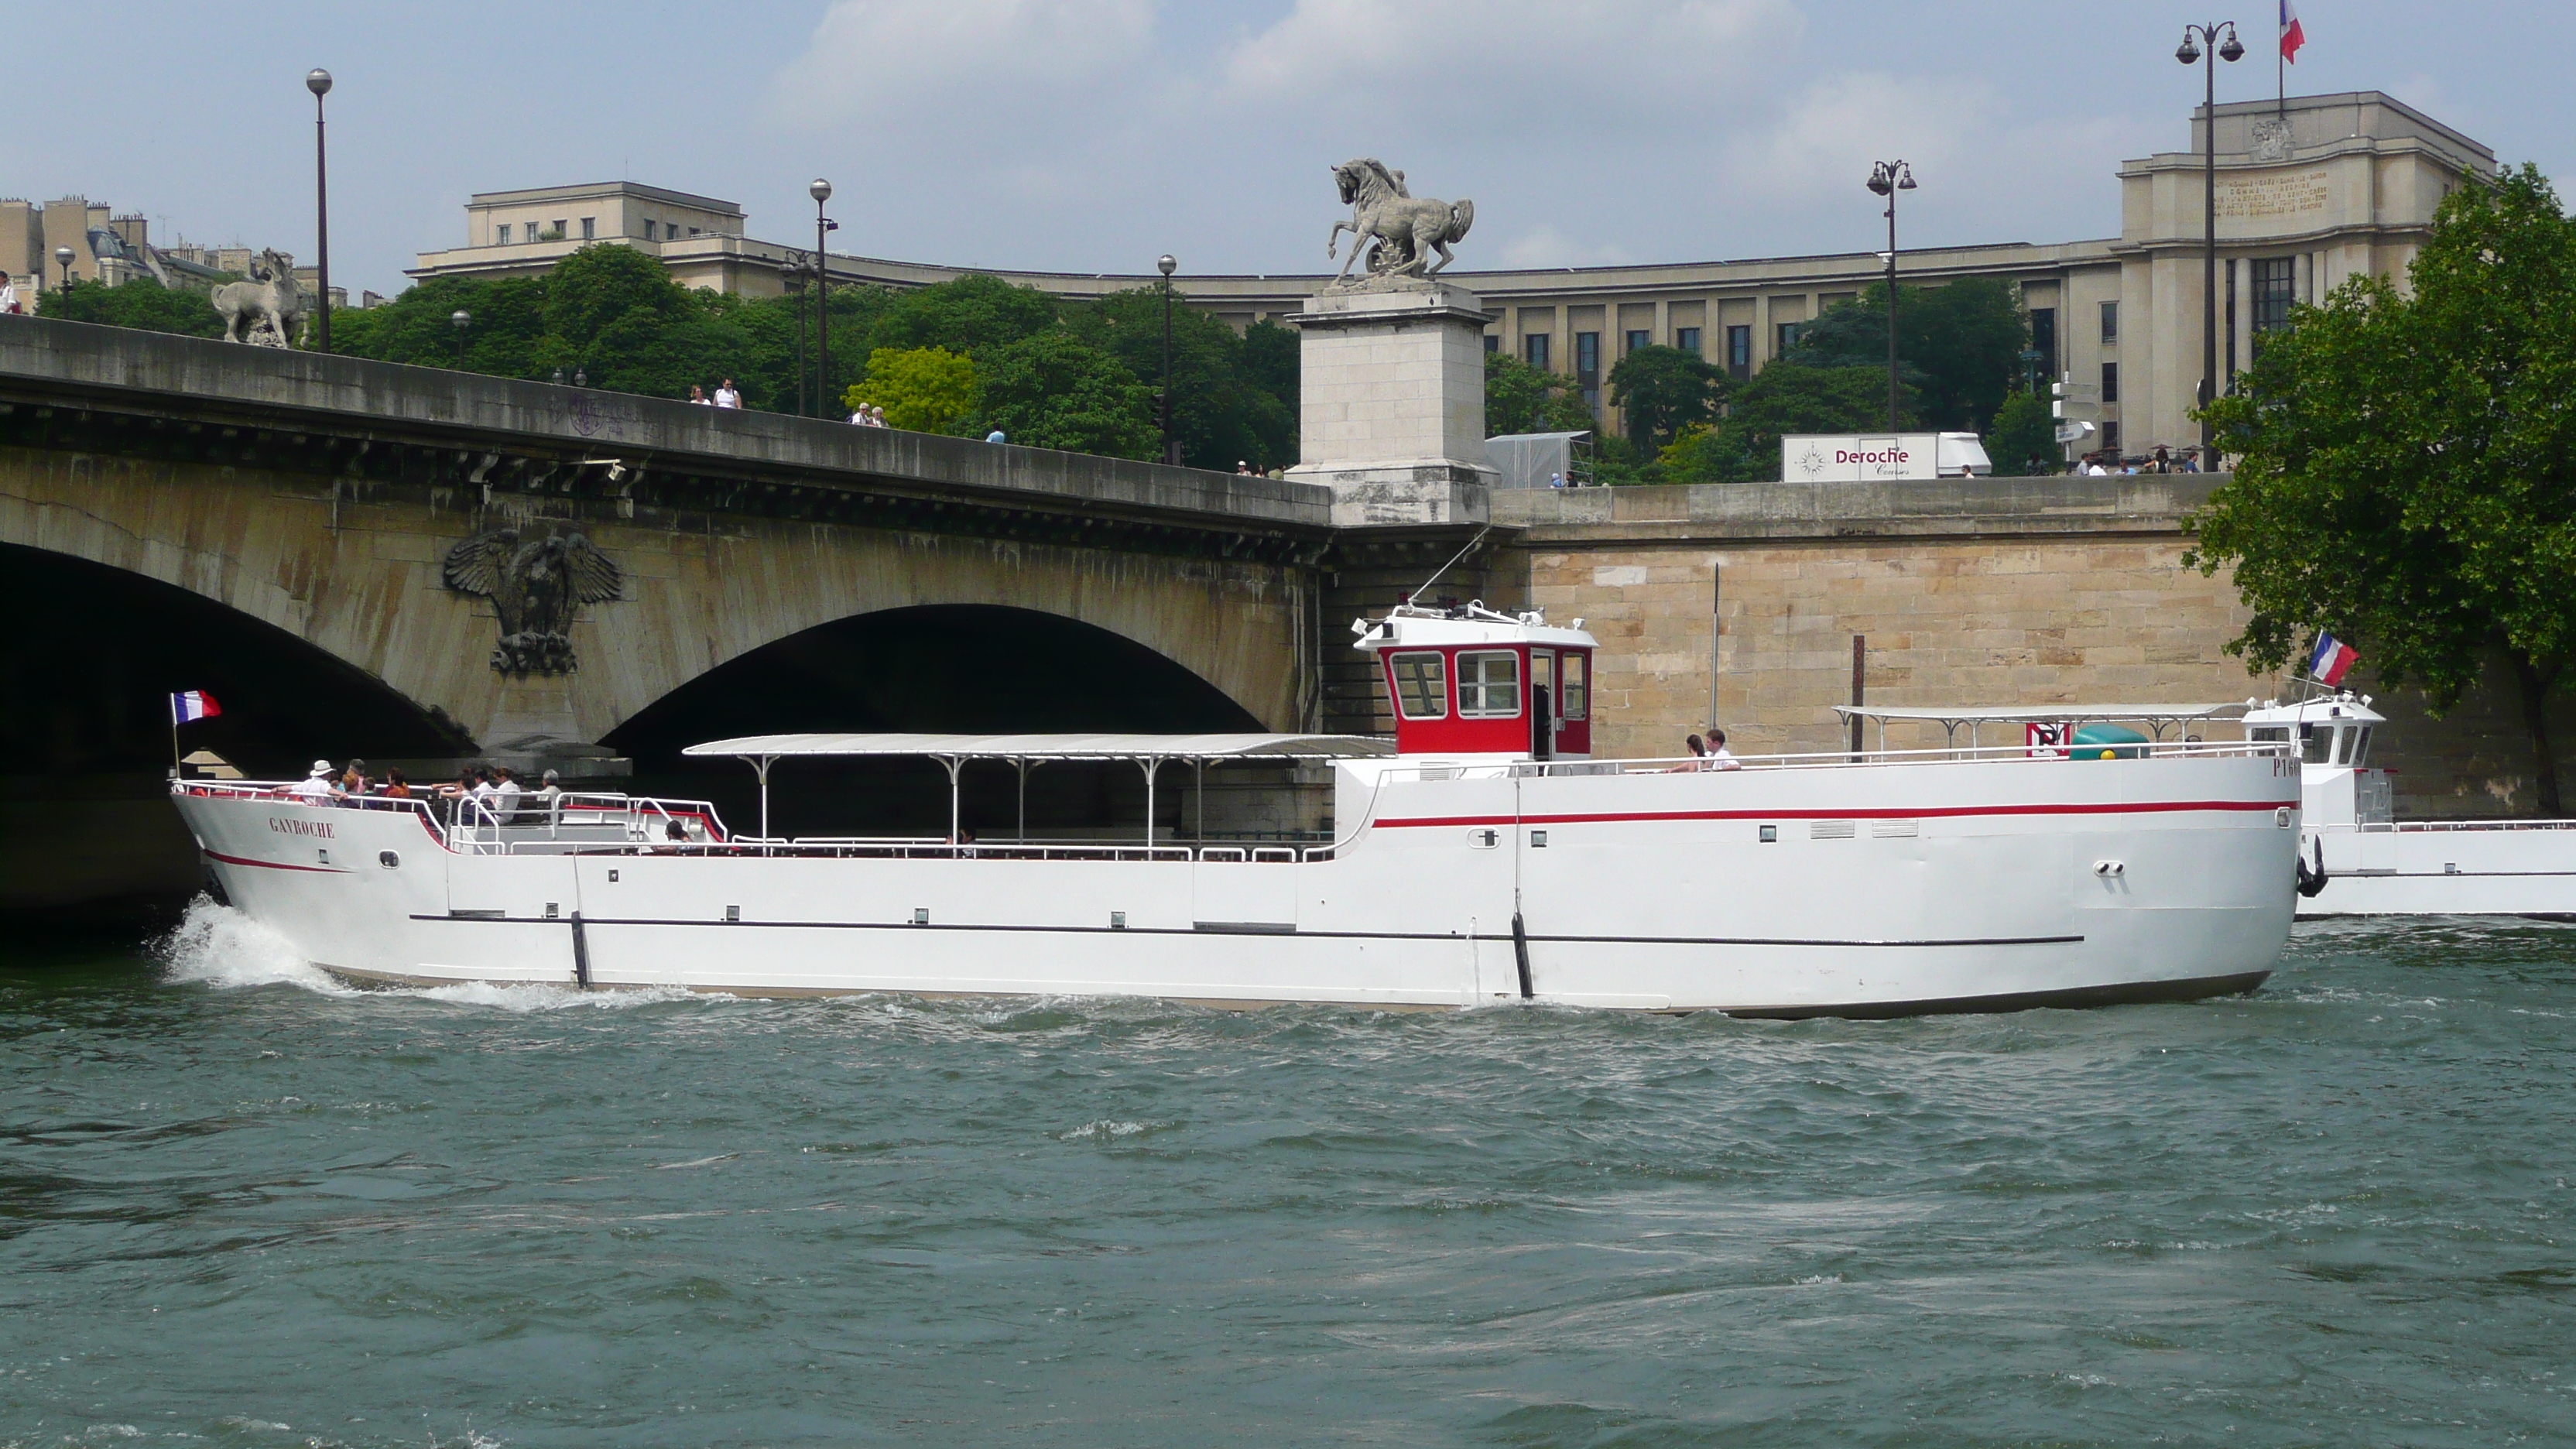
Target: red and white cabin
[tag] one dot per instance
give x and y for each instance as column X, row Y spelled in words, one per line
column 1472, row 683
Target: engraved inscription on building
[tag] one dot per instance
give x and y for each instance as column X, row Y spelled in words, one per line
column 2262, row 196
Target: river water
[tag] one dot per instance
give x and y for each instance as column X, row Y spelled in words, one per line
column 244, row 1206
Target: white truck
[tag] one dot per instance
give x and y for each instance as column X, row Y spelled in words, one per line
column 1877, row 457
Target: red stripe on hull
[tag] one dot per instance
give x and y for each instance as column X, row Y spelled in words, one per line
column 273, row 864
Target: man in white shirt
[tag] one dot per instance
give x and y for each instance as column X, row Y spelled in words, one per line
column 316, row 788
column 8, row 295
column 1719, row 757
column 726, row 397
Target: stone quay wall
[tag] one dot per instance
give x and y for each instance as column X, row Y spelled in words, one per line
column 2002, row 591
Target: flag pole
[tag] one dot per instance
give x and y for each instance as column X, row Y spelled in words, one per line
column 174, row 737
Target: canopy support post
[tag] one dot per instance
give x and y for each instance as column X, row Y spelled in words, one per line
column 1151, row 765
column 1200, row 789
column 1021, row 764
column 954, row 763
column 760, row 766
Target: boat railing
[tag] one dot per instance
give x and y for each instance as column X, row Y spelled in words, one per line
column 1826, row 759
column 2409, row 827
column 527, row 824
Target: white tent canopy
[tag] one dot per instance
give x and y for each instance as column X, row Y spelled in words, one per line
column 1051, row 747
column 2159, row 716
column 1025, row 752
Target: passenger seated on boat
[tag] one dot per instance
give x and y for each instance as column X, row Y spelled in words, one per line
column 505, row 795
column 353, row 783
column 1699, row 755
column 548, row 796
column 1719, row 756
column 674, row 832
column 396, row 787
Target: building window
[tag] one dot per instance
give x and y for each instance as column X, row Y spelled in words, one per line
column 2110, row 382
column 1587, row 367
column 501, row 237
column 1493, row 342
column 1534, row 350
column 1784, row 335
column 2111, row 436
column 1489, row 685
column 2276, row 286
column 1577, row 696
column 590, row 228
column 1739, row 351
column 562, row 229
column 1637, row 340
column 2043, row 340
column 693, row 231
column 1421, row 685
column 1687, row 339
column 2110, row 322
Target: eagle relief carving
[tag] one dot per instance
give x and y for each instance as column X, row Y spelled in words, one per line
column 536, row 582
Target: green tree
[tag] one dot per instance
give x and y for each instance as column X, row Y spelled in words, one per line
column 1051, row 390
column 925, row 389
column 1664, row 390
column 968, row 315
column 1958, row 346
column 2023, row 440
column 1785, row 397
column 140, row 303
column 1222, row 411
column 2406, row 475
column 1520, row 398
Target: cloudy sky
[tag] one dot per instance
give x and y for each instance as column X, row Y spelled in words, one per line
column 1091, row 135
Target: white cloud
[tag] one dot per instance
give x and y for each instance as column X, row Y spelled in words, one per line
column 937, row 66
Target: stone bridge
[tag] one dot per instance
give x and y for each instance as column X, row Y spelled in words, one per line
column 321, row 495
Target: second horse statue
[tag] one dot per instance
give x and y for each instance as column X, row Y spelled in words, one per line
column 1399, row 232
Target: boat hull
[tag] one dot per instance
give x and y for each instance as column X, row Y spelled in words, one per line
column 1881, row 890
column 2469, row 868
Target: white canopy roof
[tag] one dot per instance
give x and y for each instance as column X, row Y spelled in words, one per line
column 1052, row 747
column 1993, row 714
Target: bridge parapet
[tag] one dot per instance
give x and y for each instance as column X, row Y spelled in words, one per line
column 415, row 424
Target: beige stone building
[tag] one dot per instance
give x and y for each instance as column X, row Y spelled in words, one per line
column 2310, row 192
column 114, row 249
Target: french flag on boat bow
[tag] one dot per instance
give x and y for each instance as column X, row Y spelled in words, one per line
column 2331, row 660
column 2292, row 37
column 192, row 704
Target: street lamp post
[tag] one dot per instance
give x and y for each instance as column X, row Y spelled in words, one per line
column 2190, row 53
column 318, row 81
column 1888, row 178
column 63, row 256
column 1167, row 264
column 821, row 191
column 460, row 319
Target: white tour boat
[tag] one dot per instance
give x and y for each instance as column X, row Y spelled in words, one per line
column 2376, row 864
column 1481, row 856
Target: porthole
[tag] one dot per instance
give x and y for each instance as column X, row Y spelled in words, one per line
column 388, row 860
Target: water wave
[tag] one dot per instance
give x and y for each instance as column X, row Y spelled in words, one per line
column 221, row 947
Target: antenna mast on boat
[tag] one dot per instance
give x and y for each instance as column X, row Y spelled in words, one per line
column 1453, row 563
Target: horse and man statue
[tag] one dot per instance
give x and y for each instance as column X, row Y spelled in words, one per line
column 265, row 311
column 1399, row 232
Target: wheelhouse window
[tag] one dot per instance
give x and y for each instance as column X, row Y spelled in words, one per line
column 2361, row 746
column 1421, row 685
column 1489, row 685
column 1574, row 688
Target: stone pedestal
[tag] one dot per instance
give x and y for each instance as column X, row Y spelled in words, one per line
column 1392, row 402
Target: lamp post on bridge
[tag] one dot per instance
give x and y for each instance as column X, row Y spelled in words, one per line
column 2190, row 53
column 318, row 81
column 63, row 256
column 821, row 191
column 460, row 319
column 1167, row 264
column 1888, row 178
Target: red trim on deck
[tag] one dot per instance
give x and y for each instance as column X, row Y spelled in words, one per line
column 2152, row 807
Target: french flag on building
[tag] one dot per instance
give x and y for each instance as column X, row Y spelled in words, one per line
column 2331, row 660
column 2292, row 37
column 192, row 704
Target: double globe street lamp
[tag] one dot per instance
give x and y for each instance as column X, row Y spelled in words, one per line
column 1888, row 178
column 821, row 191
column 2229, row 49
column 318, row 81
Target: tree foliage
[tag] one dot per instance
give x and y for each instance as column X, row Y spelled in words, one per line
column 1520, row 398
column 1785, row 397
column 2406, row 475
column 1226, row 409
column 925, row 389
column 141, row 303
column 1664, row 390
column 2023, row 440
column 1958, row 346
column 1051, row 390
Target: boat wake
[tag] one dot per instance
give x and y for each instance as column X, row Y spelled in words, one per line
column 221, row 947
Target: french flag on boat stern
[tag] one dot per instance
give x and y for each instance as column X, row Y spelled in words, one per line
column 2331, row 660
column 191, row 704
column 2292, row 37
